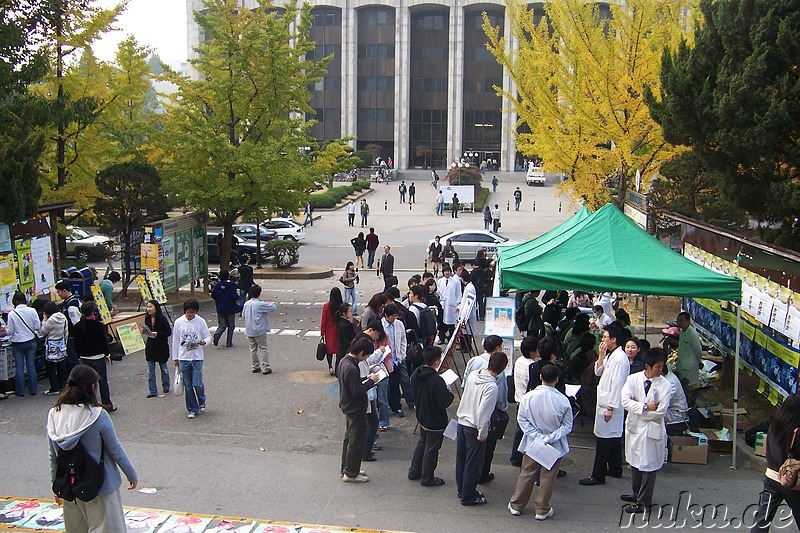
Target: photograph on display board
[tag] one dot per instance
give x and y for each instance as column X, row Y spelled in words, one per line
column 156, row 287
column 499, row 317
column 43, row 264
column 25, row 266
column 149, row 253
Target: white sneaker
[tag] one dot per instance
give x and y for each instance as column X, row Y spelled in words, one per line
column 360, row 478
column 191, row 415
column 203, row 409
column 513, row 511
column 545, row 516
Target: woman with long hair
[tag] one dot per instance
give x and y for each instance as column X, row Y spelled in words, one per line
column 359, row 245
column 91, row 344
column 782, row 440
column 78, row 418
column 374, row 309
column 327, row 327
column 346, row 330
column 157, row 328
column 349, row 279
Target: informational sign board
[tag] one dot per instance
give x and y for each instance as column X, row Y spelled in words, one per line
column 156, row 287
column 144, row 288
column 466, row 193
column 100, row 302
column 499, row 317
column 131, row 338
column 177, row 249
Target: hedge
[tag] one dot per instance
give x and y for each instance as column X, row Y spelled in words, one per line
column 329, row 198
column 481, row 200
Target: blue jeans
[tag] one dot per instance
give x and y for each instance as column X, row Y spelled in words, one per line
column 151, row 377
column 350, row 296
column 383, row 403
column 469, row 462
column 195, row 391
column 24, row 355
column 364, row 220
column 439, row 209
column 225, row 322
column 370, row 258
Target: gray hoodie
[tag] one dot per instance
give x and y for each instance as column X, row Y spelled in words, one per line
column 55, row 327
column 72, row 423
column 478, row 402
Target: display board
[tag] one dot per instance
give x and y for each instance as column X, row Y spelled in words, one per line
column 177, row 249
column 183, row 256
column 130, row 337
column 102, row 306
column 499, row 317
column 157, row 289
column 144, row 288
column 466, row 193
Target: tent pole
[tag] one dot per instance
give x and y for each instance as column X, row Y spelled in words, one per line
column 736, row 385
column 644, row 306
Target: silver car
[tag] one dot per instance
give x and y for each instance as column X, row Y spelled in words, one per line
column 467, row 242
column 87, row 247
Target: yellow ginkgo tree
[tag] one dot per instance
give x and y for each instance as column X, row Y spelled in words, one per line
column 579, row 75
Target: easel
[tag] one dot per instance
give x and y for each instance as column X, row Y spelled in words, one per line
column 466, row 346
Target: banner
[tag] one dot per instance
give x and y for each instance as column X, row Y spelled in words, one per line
column 156, row 287
column 25, row 266
column 144, row 289
column 131, row 338
column 100, row 302
column 8, row 279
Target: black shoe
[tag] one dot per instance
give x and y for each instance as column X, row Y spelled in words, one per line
column 480, row 499
column 399, row 413
column 229, row 345
column 369, row 458
column 215, row 340
column 435, row 482
column 489, row 477
column 631, row 498
column 635, row 508
column 414, row 478
column 166, row 391
column 256, row 370
column 561, row 473
column 148, row 396
column 515, row 463
column 590, row 481
column 267, row 372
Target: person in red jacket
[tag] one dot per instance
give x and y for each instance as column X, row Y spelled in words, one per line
column 327, row 326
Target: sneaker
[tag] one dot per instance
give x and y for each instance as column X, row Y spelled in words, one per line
column 513, row 511
column 383, row 428
column 52, row 392
column 360, row 478
column 148, row 396
column 267, row 372
column 202, row 408
column 256, row 370
column 191, row 415
column 399, row 413
column 377, row 446
column 546, row 515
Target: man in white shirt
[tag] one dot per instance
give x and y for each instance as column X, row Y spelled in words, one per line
column 529, row 351
column 496, row 218
column 256, row 326
column 189, row 335
column 601, row 318
column 545, row 415
column 23, row 327
column 678, row 410
column 646, row 396
column 351, row 212
column 613, row 367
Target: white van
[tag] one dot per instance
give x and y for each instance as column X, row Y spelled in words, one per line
column 536, row 176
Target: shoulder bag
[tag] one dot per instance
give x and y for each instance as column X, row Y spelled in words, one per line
column 55, row 350
column 36, row 336
column 322, row 350
column 790, row 468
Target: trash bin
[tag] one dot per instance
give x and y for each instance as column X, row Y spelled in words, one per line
column 66, row 273
column 81, row 280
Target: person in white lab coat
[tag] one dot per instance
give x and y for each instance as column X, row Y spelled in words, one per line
column 613, row 367
column 452, row 298
column 471, row 327
column 646, row 396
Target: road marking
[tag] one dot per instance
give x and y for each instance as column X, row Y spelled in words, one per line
column 313, row 334
column 289, row 332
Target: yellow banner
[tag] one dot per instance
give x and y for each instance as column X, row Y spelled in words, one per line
column 728, row 318
column 100, row 302
column 774, row 397
column 712, row 305
column 131, row 338
column 144, row 288
column 748, row 330
column 761, row 386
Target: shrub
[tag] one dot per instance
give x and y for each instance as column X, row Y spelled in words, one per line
column 325, row 200
column 364, row 184
column 284, row 253
column 480, row 200
column 365, row 156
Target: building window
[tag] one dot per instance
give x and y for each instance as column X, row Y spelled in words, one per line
column 375, row 50
column 322, row 51
column 431, row 22
column 328, row 83
column 376, row 83
column 321, row 19
column 378, row 18
column 429, row 85
column 326, row 114
column 375, row 114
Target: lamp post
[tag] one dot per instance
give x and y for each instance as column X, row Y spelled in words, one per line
column 460, row 165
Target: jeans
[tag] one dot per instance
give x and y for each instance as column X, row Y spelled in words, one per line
column 57, row 374
column 396, row 379
column 151, row 377
column 370, row 258
column 350, row 296
column 426, row 455
column 383, row 403
column 516, row 205
column 72, row 356
column 100, row 366
column 24, row 354
column 226, row 322
column 351, row 217
column 440, row 209
column 353, row 444
column 402, row 198
column 364, row 220
column 309, row 220
column 195, row 391
column 469, row 462
column 768, row 502
column 372, row 428
column 495, row 225
column 485, row 223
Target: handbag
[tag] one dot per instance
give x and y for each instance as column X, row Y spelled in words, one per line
column 177, row 384
column 790, row 468
column 55, row 350
column 322, row 350
column 497, row 424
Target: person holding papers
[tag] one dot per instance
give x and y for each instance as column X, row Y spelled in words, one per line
column 433, row 398
column 545, row 417
column 646, row 396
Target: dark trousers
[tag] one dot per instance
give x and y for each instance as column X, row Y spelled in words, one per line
column 372, row 428
column 495, row 433
column 72, row 356
column 370, row 258
column 426, row 455
column 768, row 502
column 453, row 212
column 607, row 458
column 386, row 284
column 350, row 218
column 398, row 378
column 99, row 366
column 353, row 444
column 469, row 462
column 57, row 374
column 516, row 456
column 481, row 306
column 643, row 485
column 226, row 322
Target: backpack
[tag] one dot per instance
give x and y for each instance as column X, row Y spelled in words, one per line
column 519, row 318
column 427, row 322
column 77, row 474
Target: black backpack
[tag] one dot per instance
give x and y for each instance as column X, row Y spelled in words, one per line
column 78, row 475
column 427, row 322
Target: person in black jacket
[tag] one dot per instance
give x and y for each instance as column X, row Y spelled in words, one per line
column 156, row 350
column 433, row 398
column 91, row 344
column 345, row 330
column 353, row 403
column 245, row 280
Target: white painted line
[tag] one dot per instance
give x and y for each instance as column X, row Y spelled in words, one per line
column 289, row 332
column 319, row 303
column 304, row 303
column 273, row 331
column 285, row 303
column 313, row 334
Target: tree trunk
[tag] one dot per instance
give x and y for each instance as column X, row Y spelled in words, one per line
column 622, row 190
column 225, row 244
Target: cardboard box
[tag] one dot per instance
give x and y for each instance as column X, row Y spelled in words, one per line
column 742, row 423
column 761, row 444
column 685, row 450
column 715, row 445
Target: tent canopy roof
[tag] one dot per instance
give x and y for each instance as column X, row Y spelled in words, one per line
column 608, row 251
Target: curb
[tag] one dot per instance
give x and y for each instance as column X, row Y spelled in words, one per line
column 310, row 273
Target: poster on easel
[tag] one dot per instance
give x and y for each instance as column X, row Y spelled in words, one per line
column 100, row 303
column 43, row 267
column 156, row 287
column 25, row 266
column 499, row 317
column 144, row 288
column 131, row 338
column 5, row 238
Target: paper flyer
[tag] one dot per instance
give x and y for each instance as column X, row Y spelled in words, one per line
column 25, row 266
column 499, row 317
column 5, row 238
column 43, row 265
column 131, row 338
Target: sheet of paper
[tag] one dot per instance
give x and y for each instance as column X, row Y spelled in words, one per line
column 572, row 390
column 544, row 454
column 382, row 374
column 449, row 376
column 451, row 431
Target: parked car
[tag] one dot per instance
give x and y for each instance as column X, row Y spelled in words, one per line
column 248, row 231
column 536, row 176
column 87, row 247
column 286, row 228
column 245, row 249
column 467, row 242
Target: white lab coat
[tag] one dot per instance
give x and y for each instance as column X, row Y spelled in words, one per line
column 452, row 298
column 678, row 407
column 441, row 288
column 605, row 299
column 613, row 374
column 472, row 324
column 645, row 433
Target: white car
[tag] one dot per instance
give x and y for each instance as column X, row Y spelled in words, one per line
column 536, row 176
column 467, row 242
column 287, row 228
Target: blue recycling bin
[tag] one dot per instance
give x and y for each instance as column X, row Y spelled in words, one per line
column 66, row 273
column 81, row 280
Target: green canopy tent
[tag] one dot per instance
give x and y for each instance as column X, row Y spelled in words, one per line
column 514, row 251
column 608, row 251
